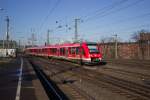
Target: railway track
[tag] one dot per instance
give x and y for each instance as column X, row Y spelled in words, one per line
column 138, row 77
column 50, row 87
column 140, row 64
column 127, row 88
column 75, row 93
column 139, row 90
column 126, row 72
column 123, row 87
column 130, row 89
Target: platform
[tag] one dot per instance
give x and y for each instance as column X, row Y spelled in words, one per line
column 18, row 81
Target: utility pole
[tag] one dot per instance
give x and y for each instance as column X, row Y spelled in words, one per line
column 1, row 9
column 19, row 44
column 7, row 32
column 116, row 47
column 148, row 49
column 14, row 44
column 3, row 43
column 33, row 39
column 48, row 36
column 76, row 29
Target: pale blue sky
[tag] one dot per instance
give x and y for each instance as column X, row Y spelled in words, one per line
column 99, row 18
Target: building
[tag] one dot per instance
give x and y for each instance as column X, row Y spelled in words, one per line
column 12, row 44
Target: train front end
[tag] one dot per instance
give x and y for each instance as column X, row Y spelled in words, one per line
column 93, row 53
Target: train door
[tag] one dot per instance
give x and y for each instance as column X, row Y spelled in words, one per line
column 48, row 51
column 66, row 52
column 62, row 51
column 73, row 52
column 58, row 51
column 77, row 52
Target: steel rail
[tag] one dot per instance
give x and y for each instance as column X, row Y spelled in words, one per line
column 52, row 90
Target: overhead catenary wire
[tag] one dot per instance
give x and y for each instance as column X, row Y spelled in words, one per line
column 101, row 10
column 128, row 30
column 104, row 9
column 127, row 19
column 133, row 18
column 49, row 13
column 106, row 13
column 140, row 26
column 127, row 6
column 107, row 10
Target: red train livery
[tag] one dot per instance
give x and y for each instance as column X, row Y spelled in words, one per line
column 82, row 52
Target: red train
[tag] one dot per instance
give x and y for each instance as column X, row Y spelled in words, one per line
column 81, row 52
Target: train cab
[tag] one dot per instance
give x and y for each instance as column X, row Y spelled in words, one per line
column 92, row 53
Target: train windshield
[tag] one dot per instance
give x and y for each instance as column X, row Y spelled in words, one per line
column 93, row 48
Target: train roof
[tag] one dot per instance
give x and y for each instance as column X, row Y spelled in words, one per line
column 64, row 45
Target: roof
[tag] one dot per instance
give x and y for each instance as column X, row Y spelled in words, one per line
column 58, row 45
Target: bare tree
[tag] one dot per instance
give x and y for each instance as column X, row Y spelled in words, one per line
column 142, row 38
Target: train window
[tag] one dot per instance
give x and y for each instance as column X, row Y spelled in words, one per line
column 83, row 53
column 93, row 48
column 54, row 50
column 35, row 50
column 66, row 52
column 77, row 50
column 50, row 50
column 73, row 50
column 45, row 50
column 62, row 51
